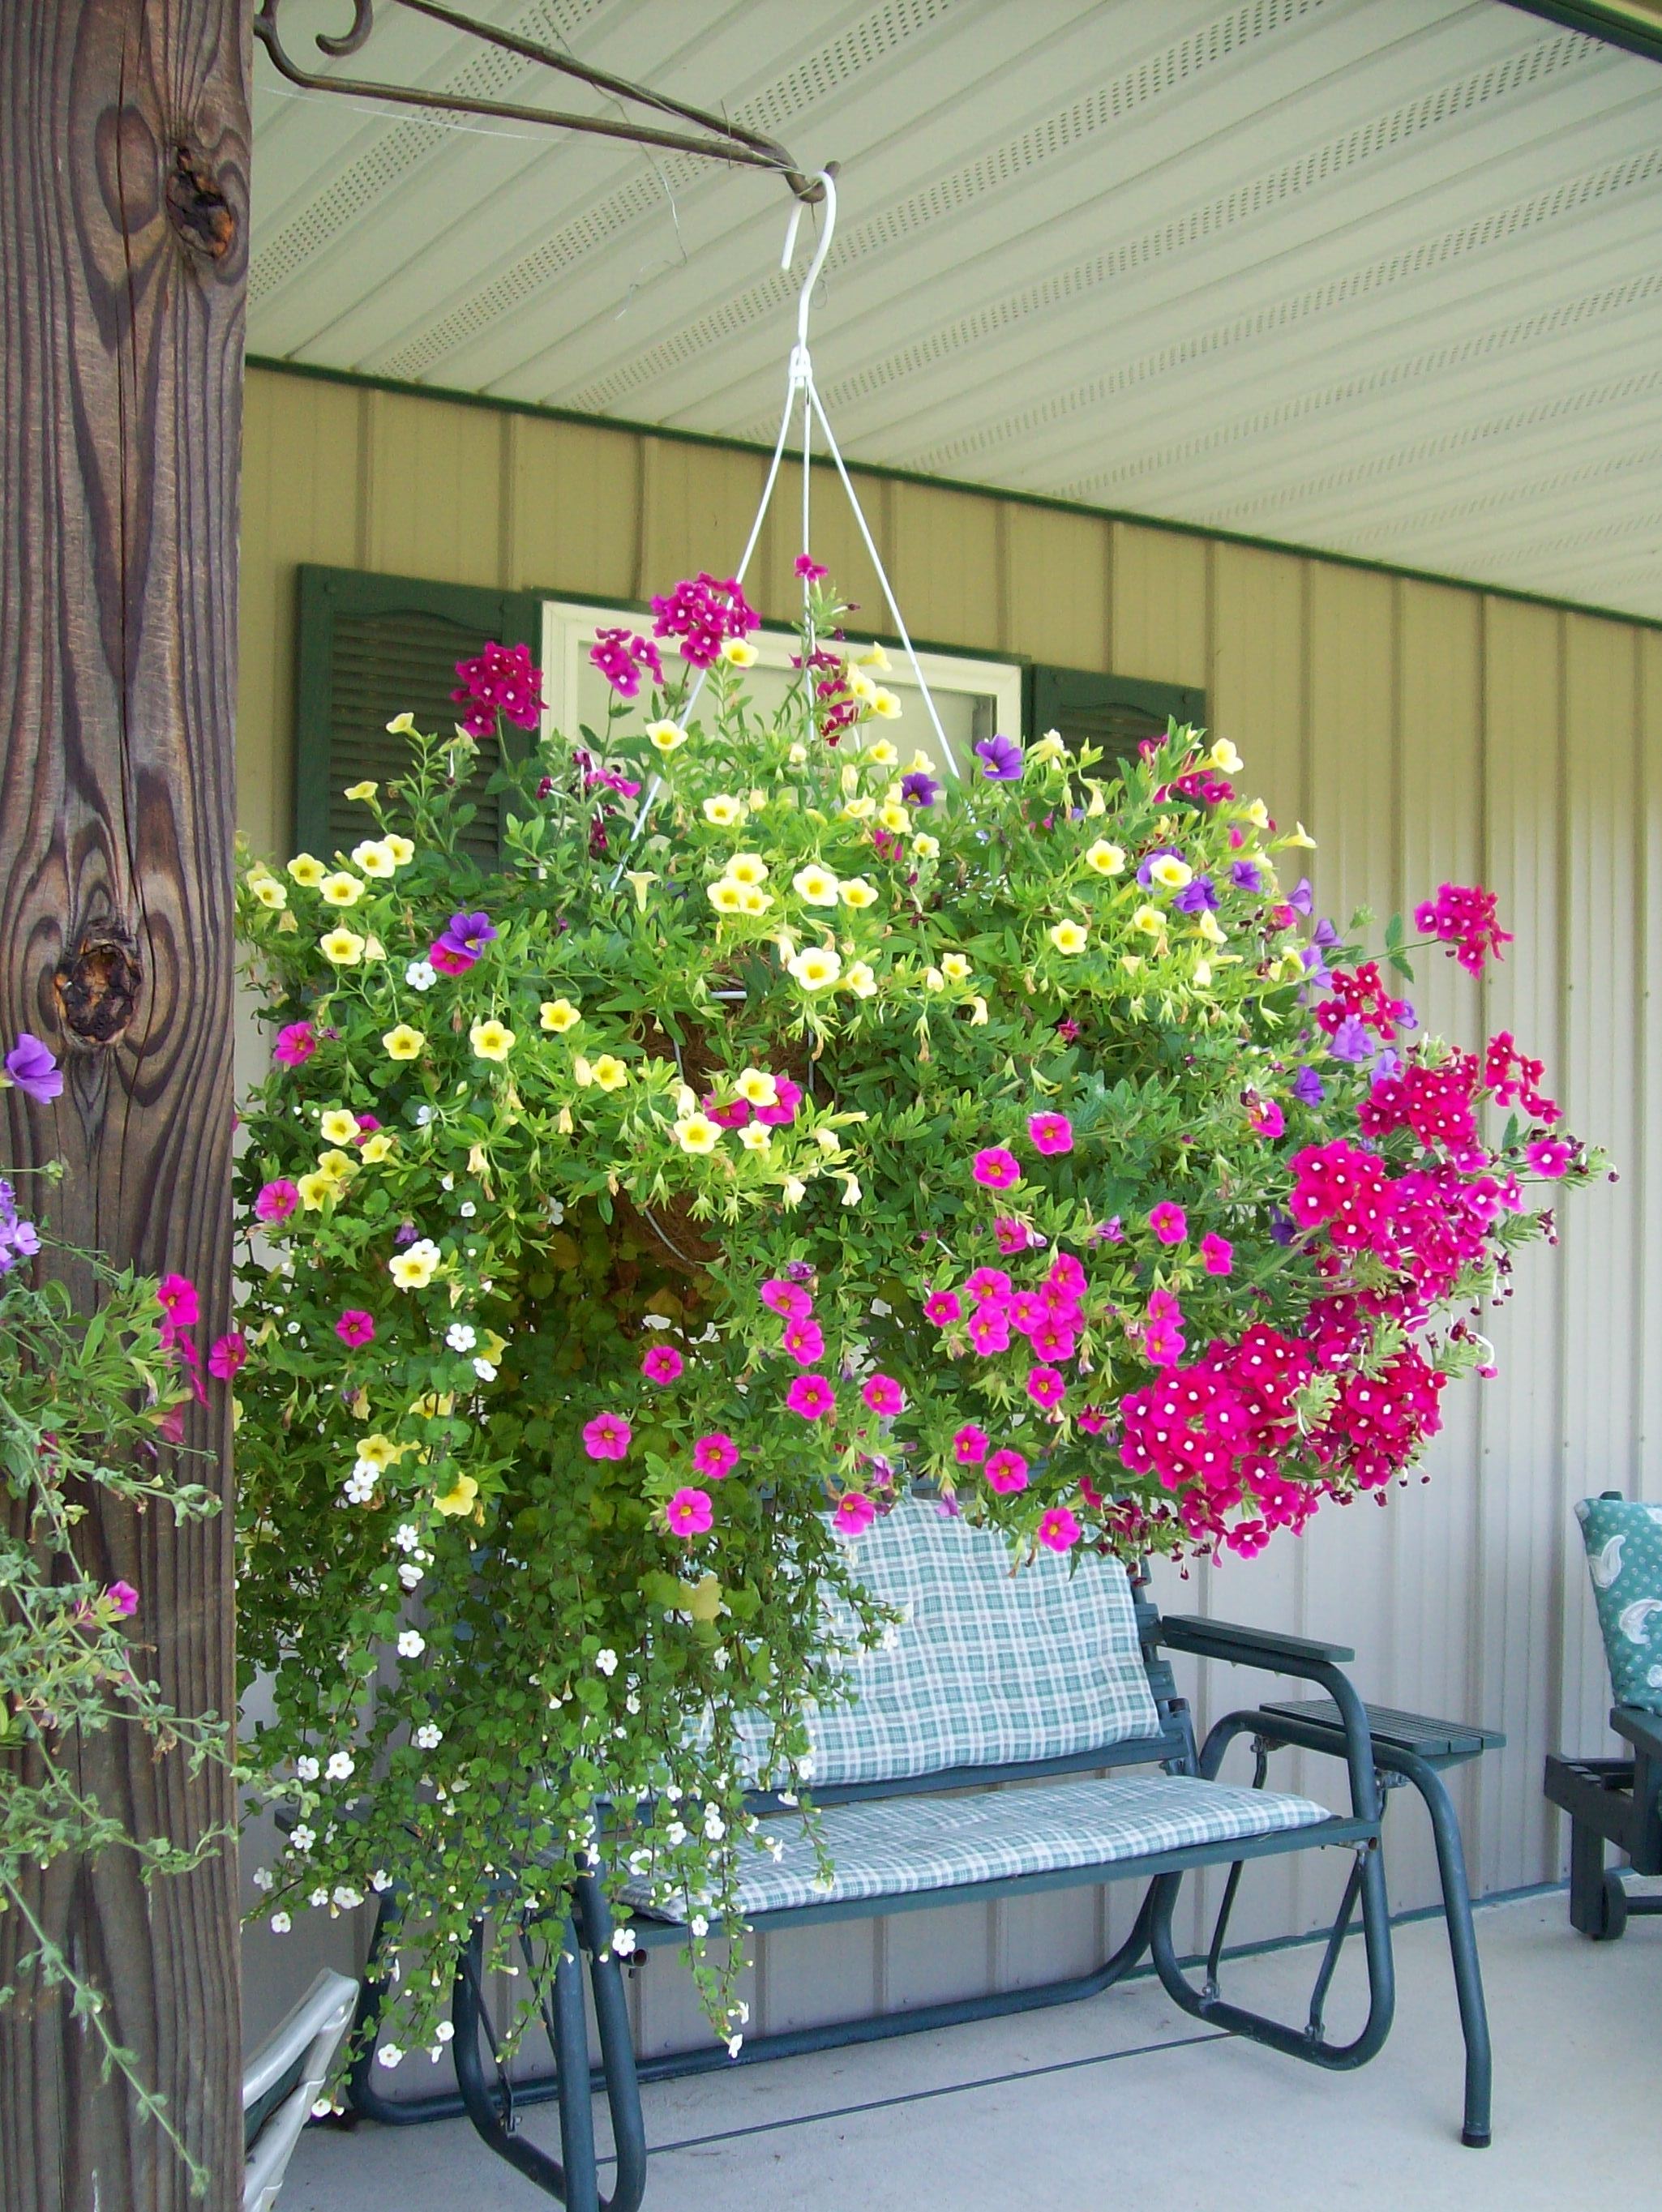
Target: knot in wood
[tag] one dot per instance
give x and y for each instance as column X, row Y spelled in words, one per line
column 98, row 986
column 196, row 208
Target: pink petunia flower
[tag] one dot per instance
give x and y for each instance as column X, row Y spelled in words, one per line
column 1058, row 1530
column 124, row 1598
column 1169, row 1222
column 1267, row 1118
column 607, row 1437
column 295, row 1045
column 989, row 1327
column 940, row 1307
column 1050, row 1132
column 1012, row 1236
column 450, row 959
column 1007, row 1472
column 1092, row 1420
column 277, row 1200
column 996, row 1169
column 176, row 1296
column 1053, row 1339
column 715, row 1454
column 690, row 1512
column 1046, row 1387
column 355, row 1327
column 971, row 1444
column 1067, row 1274
column 805, row 1341
column 1549, row 1156
column 1218, row 1253
column 788, row 1300
column 662, row 1365
column 884, row 1394
column 811, row 1396
column 855, row 1513
column 988, row 1283
column 786, row 1097
column 227, row 1356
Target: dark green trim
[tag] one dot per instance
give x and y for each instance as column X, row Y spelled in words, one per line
column 1606, row 24
column 1066, row 698
column 882, row 473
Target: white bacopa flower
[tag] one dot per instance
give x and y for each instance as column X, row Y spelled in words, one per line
column 379, row 1881
column 301, row 1838
column 606, row 1660
column 445, row 2030
column 485, row 1369
column 318, row 1899
column 280, row 1924
column 341, row 1764
column 735, row 2044
column 460, row 1336
column 410, row 1644
column 264, row 1878
column 346, row 1897
column 624, row 1940
column 389, row 2055
column 410, row 1575
column 359, row 1486
column 467, row 1209
column 406, row 1536
column 675, row 1835
column 698, row 1924
column 423, row 1116
column 556, row 1212
column 429, row 1737
column 307, row 1767
column 421, row 974
column 715, row 1826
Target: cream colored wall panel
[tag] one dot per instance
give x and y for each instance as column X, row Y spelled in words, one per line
column 942, row 557
column 572, row 496
column 1647, row 1468
column 835, row 542
column 1057, row 587
column 808, row 1976
column 697, row 507
column 435, row 488
column 1160, row 605
column 300, row 501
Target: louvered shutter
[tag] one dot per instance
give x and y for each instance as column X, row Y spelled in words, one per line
column 370, row 647
column 1115, row 712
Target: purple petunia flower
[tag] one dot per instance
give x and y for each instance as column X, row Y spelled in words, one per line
column 1196, row 897
column 19, row 1239
column 1000, row 759
column 1315, row 967
column 1243, row 874
column 1349, row 1040
column 33, row 1070
column 1301, row 898
column 1324, row 934
column 1387, row 1064
column 467, row 936
column 918, row 789
column 1308, row 1087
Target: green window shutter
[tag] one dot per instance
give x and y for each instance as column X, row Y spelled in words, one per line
column 370, row 647
column 1115, row 712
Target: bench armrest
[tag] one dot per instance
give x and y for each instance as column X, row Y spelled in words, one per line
column 1247, row 1647
column 1643, row 1730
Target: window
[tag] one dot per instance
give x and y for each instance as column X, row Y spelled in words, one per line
column 1115, row 712
column 371, row 647
column 973, row 697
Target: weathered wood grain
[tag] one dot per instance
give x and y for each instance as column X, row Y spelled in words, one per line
column 123, row 194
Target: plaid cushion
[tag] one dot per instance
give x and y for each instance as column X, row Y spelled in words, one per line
column 899, row 1846
column 988, row 1667
column 1623, row 1537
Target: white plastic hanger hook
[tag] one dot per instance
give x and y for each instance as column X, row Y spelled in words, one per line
column 827, row 232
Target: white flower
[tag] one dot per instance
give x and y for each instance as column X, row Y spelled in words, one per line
column 301, row 1838
column 381, row 1880
column 624, row 1940
column 698, row 1924
column 346, row 1899
column 264, row 1878
column 675, row 1835
column 485, row 1369
column 409, row 1574
column 307, row 1767
column 410, row 1644
column 318, row 1899
column 607, row 1661
column 280, row 1924
column 715, row 1826
column 460, row 1336
column 556, row 1212
column 851, row 1192
column 406, row 1536
column 389, row 2054
column 359, row 1485
column 428, row 1736
column 793, row 1191
column 421, row 974
column 423, row 1116
column 735, row 2044
column 467, row 1209
column 340, row 1766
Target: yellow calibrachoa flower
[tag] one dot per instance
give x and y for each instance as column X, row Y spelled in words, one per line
column 977, row 1013
column 1212, row 929
column 860, row 810
column 434, row 1405
column 756, row 1087
column 414, row 1268
column 403, row 1042
column 1069, row 936
column 895, row 819
column 815, row 966
column 341, row 889
column 955, row 967
column 665, row 736
column 882, row 754
column 1049, row 748
column 338, row 1164
column 375, row 1148
column 491, row 1040
column 316, row 1187
column 1106, row 859
column 307, row 870
column 874, row 657
column 724, row 809
column 459, row 1498
column 344, row 947
column 738, row 652
column 746, row 868
column 1131, row 963
column 269, row 891
column 885, row 704
column 366, row 790
column 338, row 1126
column 1171, row 873
column 1149, row 919
column 697, row 1133
column 753, row 900
column 1289, row 968
column 859, row 978
column 816, row 885
column 559, row 1015
column 402, row 850
column 610, row 1073
column 1203, row 975
column 756, row 1136
column 1300, row 837
column 925, row 847
column 373, row 858
column 860, row 685
column 373, row 948
column 403, row 725
column 381, row 1450
column 933, row 980
column 725, row 896
column 856, row 893
column 1224, row 757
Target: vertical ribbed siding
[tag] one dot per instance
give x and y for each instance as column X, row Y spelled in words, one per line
column 1423, row 732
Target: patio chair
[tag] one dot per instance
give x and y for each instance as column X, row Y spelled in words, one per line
column 1619, row 1801
column 283, row 2078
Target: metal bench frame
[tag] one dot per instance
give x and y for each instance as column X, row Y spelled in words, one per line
column 492, row 2101
column 1612, row 1801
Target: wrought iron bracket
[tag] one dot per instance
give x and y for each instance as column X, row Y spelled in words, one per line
column 718, row 139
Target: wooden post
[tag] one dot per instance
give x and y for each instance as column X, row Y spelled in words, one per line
column 124, row 197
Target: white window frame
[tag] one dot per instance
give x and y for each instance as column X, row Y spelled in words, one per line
column 570, row 627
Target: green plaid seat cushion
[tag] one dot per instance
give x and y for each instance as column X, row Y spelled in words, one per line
column 1623, row 1537
column 988, row 1667
column 901, row 1846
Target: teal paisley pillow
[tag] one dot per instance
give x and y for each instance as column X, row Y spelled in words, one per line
column 1623, row 1537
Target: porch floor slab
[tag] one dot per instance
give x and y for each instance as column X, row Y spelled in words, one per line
column 1125, row 2100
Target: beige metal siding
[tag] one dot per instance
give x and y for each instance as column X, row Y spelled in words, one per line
column 1423, row 731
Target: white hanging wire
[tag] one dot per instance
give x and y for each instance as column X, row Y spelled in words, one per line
column 800, row 379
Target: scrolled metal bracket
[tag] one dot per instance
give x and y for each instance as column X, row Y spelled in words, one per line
column 718, row 140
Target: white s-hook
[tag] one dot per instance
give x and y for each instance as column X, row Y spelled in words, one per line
column 827, row 232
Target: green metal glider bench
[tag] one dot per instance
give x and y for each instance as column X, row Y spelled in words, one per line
column 1044, row 1677
column 1619, row 1801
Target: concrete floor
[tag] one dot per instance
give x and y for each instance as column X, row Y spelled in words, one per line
column 1124, row 2101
